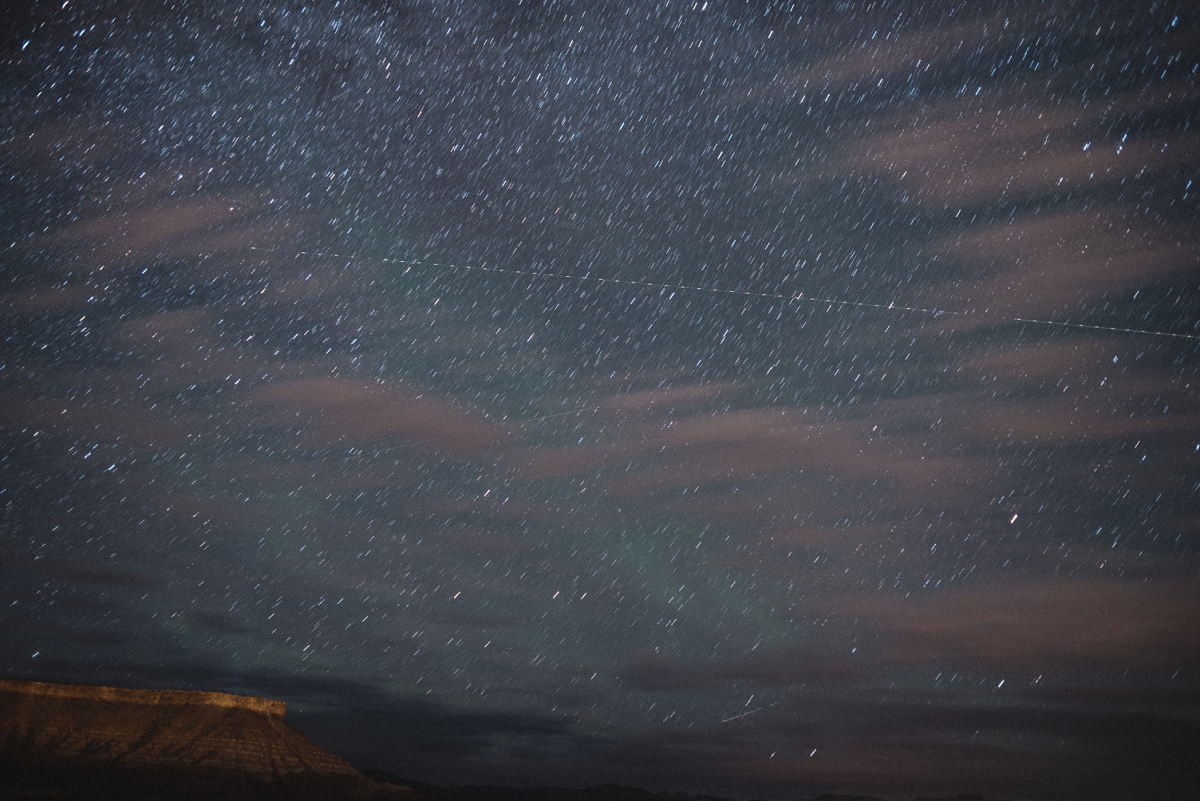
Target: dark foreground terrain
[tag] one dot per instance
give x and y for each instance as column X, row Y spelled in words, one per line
column 62, row 742
column 610, row 792
column 64, row 783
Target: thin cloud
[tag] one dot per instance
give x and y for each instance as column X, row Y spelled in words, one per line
column 76, row 141
column 668, row 399
column 337, row 411
column 53, row 299
column 1036, row 628
column 1046, row 265
column 165, row 231
column 879, row 59
column 127, row 425
column 1003, row 145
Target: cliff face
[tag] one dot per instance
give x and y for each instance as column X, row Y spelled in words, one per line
column 56, row 723
column 265, row 706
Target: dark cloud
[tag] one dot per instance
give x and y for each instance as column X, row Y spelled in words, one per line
column 89, row 573
column 426, row 738
column 221, row 623
column 779, row 666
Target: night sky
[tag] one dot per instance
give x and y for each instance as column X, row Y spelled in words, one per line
column 761, row 399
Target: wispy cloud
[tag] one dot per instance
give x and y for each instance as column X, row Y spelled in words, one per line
column 338, row 411
column 1052, row 264
column 878, row 58
column 1039, row 627
column 177, row 230
column 986, row 152
column 50, row 299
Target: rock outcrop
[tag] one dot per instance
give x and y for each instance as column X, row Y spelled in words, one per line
column 166, row 744
column 57, row 722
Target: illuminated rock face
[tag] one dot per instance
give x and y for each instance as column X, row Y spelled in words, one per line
column 146, row 728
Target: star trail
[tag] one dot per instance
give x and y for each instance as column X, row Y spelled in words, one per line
column 756, row 399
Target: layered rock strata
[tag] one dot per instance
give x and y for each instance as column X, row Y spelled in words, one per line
column 57, row 723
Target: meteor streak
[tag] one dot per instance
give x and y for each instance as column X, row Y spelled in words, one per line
column 797, row 298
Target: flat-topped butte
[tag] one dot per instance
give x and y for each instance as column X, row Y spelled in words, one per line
column 264, row 706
